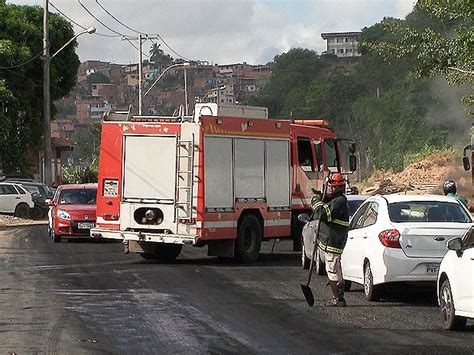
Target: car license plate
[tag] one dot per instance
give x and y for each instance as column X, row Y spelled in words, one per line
column 432, row 268
column 85, row 225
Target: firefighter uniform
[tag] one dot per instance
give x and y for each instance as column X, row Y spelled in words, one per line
column 334, row 222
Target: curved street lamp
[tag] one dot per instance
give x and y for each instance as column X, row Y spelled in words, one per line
column 89, row 30
column 186, row 64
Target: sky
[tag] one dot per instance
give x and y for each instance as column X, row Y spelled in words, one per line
column 217, row 31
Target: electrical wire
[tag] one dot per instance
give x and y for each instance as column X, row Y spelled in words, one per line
column 116, row 19
column 98, row 20
column 23, row 64
column 79, row 25
column 110, row 29
column 140, row 32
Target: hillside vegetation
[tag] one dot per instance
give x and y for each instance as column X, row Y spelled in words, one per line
column 381, row 100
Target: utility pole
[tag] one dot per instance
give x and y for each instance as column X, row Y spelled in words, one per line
column 185, row 93
column 47, row 156
column 140, row 40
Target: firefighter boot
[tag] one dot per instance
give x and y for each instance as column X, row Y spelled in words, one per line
column 337, row 289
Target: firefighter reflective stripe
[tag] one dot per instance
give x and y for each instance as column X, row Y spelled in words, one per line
column 319, row 204
column 329, row 248
column 342, row 223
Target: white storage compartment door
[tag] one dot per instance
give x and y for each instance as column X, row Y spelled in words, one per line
column 218, row 185
column 249, row 168
column 277, row 177
column 149, row 167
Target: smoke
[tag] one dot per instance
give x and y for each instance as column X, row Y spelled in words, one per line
column 450, row 113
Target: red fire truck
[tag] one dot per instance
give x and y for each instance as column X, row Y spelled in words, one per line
column 227, row 177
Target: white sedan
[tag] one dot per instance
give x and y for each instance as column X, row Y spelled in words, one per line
column 399, row 238
column 456, row 282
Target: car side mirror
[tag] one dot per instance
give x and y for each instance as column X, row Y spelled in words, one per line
column 303, row 217
column 454, row 244
column 49, row 202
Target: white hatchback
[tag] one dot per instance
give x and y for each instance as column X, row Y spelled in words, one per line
column 15, row 199
column 456, row 282
column 399, row 238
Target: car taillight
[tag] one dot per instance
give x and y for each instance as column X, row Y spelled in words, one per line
column 390, row 238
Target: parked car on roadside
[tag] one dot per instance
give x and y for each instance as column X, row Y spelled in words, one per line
column 309, row 234
column 456, row 282
column 72, row 211
column 15, row 200
column 354, row 202
column 400, row 238
column 40, row 193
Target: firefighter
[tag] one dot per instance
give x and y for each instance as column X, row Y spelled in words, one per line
column 333, row 215
column 450, row 189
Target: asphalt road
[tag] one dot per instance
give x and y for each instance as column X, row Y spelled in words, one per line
column 83, row 297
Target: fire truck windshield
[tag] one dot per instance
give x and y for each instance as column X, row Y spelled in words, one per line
column 330, row 154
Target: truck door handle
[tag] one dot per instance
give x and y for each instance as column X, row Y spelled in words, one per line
column 438, row 239
column 17, row 198
column 364, row 236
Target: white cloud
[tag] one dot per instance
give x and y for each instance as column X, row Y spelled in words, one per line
column 223, row 31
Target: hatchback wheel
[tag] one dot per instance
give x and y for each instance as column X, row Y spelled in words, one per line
column 55, row 238
column 448, row 317
column 371, row 291
column 22, row 210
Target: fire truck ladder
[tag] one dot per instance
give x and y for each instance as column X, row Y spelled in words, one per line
column 184, row 179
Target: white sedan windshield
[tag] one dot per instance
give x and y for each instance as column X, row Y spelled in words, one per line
column 427, row 211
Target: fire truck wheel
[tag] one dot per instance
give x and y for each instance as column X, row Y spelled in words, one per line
column 163, row 253
column 166, row 253
column 249, row 239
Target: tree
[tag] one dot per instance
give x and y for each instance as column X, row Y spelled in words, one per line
column 21, row 91
column 296, row 68
column 441, row 42
column 158, row 56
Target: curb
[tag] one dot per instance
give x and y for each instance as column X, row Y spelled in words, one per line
column 23, row 225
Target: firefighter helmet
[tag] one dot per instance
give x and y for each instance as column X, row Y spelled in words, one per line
column 336, row 179
column 449, row 186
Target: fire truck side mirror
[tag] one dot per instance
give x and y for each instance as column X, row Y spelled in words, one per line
column 352, row 162
column 466, row 163
column 352, row 148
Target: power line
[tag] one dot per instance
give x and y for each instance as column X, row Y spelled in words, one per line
column 23, row 64
column 109, row 28
column 79, row 25
column 140, row 32
column 116, row 19
column 99, row 21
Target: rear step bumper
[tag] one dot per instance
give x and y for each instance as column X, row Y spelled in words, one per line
column 143, row 236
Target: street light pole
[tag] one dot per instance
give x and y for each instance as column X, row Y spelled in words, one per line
column 46, row 97
column 186, row 64
column 47, row 173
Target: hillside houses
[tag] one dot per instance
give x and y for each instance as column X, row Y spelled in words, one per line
column 104, row 86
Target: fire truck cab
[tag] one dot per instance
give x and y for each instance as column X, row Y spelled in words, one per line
column 227, row 177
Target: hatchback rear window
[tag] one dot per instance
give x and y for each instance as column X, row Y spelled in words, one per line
column 427, row 211
column 78, row 197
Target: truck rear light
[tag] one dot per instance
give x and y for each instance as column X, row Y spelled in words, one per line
column 110, row 217
column 390, row 238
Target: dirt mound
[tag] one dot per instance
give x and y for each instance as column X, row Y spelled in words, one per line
column 423, row 177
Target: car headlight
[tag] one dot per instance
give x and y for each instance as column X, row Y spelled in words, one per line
column 64, row 215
